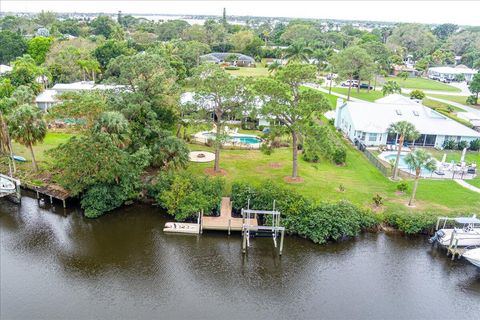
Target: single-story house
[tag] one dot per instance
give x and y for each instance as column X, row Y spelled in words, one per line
column 48, row 98
column 368, row 122
column 471, row 117
column 396, row 69
column 4, row 69
column 241, row 60
column 451, row 72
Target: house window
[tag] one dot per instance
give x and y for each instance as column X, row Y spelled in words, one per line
column 364, row 134
column 372, row 137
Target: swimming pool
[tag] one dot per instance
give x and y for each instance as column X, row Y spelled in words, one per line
column 402, row 165
column 236, row 137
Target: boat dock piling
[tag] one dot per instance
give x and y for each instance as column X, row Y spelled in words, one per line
column 53, row 192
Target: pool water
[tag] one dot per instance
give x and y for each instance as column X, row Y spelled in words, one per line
column 247, row 139
column 403, row 165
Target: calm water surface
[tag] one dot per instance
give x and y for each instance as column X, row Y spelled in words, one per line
column 57, row 264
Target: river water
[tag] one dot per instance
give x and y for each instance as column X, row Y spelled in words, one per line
column 57, row 264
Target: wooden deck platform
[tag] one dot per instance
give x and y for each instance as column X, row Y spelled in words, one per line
column 225, row 221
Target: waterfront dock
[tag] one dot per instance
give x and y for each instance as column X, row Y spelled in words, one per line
column 226, row 222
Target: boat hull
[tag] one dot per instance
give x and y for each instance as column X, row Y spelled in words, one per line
column 185, row 228
column 6, row 186
column 473, row 256
column 465, row 238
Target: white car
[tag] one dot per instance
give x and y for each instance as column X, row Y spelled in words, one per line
column 347, row 83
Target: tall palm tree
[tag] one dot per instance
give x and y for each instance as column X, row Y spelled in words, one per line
column 404, row 130
column 298, row 52
column 115, row 125
column 416, row 161
column 27, row 127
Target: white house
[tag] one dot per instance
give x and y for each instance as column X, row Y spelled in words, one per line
column 368, row 122
column 450, row 72
column 48, row 98
column 4, row 69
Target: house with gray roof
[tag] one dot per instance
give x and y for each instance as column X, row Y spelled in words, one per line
column 241, row 60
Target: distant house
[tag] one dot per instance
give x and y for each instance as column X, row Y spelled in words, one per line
column 4, row 69
column 412, row 72
column 48, row 98
column 368, row 122
column 241, row 60
column 269, row 61
column 450, row 73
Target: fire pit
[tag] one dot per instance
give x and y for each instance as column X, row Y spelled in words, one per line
column 201, row 156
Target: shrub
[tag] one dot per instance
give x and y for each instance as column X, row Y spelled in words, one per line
column 417, row 94
column 266, row 149
column 377, row 200
column 411, row 222
column 475, row 145
column 184, row 195
column 340, row 156
column 462, row 145
column 449, row 144
column 317, row 222
column 472, row 100
column 232, row 68
column 402, row 187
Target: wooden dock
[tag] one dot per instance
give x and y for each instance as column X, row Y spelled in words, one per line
column 225, row 221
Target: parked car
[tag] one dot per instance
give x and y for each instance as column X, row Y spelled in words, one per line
column 331, row 76
column 347, row 83
column 445, row 80
column 365, row 86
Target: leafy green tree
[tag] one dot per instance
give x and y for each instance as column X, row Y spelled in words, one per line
column 405, row 131
column 170, row 153
column 216, row 89
column 391, row 87
column 190, row 52
column 13, row 45
column 403, row 75
column 417, row 39
column 90, row 67
column 298, row 52
column 104, row 26
column 23, row 95
column 417, row 94
column 299, row 32
column 25, row 72
column 474, row 85
column 115, row 125
column 285, row 100
column 274, row 67
column 28, row 128
column 46, row 18
column 110, row 50
column 172, row 29
column 416, row 161
column 351, row 63
column 38, row 48
column 445, row 30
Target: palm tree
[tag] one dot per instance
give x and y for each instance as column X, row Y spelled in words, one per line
column 298, row 52
column 404, row 130
column 391, row 87
column 115, row 125
column 416, row 161
column 274, row 67
column 27, row 127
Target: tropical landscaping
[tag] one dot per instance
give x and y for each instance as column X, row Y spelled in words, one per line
column 109, row 148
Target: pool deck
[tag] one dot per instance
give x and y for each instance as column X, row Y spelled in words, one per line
column 225, row 221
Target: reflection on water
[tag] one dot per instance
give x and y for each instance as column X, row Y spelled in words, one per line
column 57, row 264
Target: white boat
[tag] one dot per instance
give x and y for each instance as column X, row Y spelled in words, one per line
column 473, row 256
column 6, row 186
column 179, row 227
column 464, row 233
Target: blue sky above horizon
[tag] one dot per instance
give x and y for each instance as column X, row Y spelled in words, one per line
column 459, row 12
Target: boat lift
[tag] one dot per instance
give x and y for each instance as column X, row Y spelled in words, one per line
column 249, row 229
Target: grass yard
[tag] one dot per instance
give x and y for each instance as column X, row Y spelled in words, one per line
column 363, row 94
column 457, row 99
column 250, row 72
column 446, row 109
column 423, row 84
column 360, row 179
column 52, row 140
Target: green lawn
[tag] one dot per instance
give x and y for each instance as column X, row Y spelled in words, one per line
column 423, row 84
column 446, row 109
column 363, row 94
column 321, row 180
column 52, row 140
column 250, row 72
column 457, row 99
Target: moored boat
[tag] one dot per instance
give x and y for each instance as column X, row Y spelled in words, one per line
column 473, row 256
column 6, row 186
column 464, row 232
column 179, row 227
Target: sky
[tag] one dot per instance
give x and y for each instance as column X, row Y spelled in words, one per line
column 458, row 12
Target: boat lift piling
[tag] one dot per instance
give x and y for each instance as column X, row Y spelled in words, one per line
column 275, row 229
